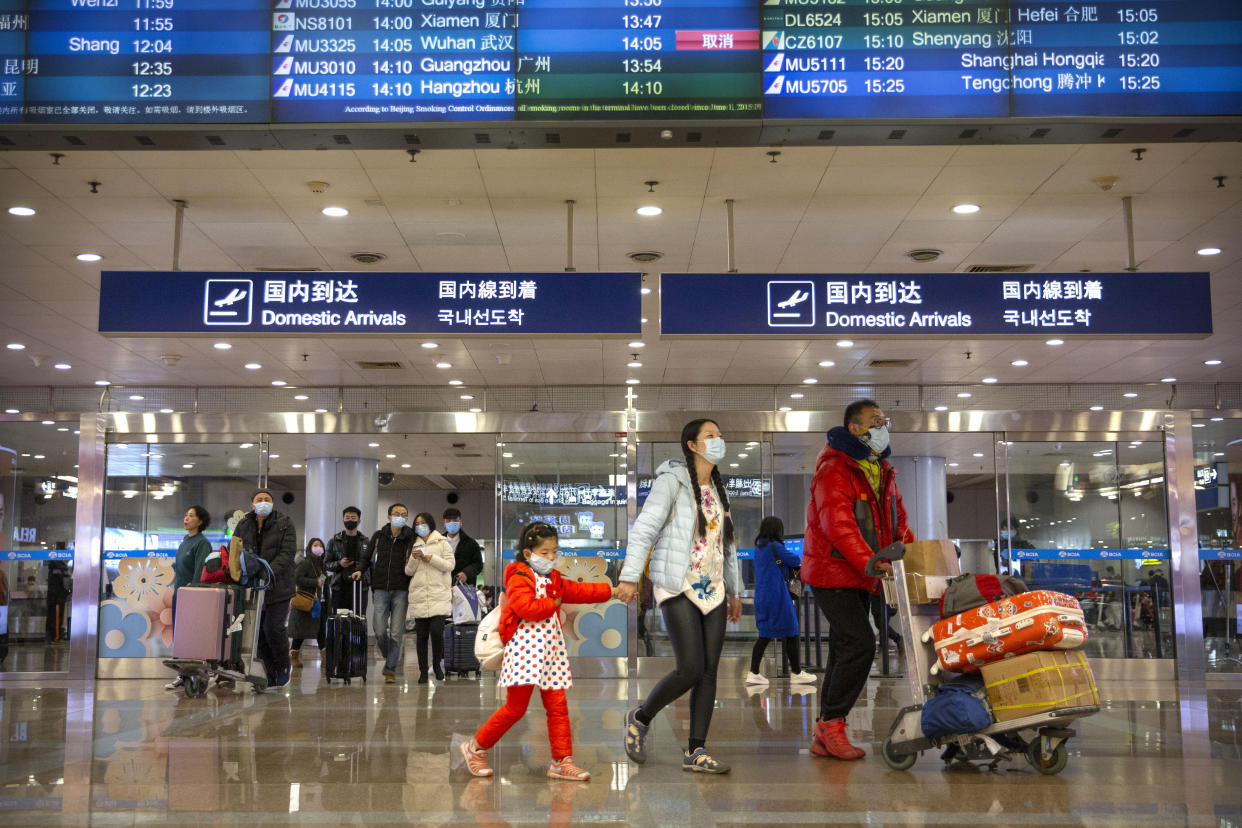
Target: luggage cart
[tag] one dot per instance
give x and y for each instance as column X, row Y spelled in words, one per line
column 1040, row 739
column 196, row 674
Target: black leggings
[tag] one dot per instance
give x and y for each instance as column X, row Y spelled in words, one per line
column 791, row 652
column 697, row 640
column 432, row 628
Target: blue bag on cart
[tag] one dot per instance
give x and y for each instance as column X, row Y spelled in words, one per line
column 959, row 706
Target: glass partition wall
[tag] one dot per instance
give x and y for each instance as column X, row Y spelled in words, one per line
column 1218, row 503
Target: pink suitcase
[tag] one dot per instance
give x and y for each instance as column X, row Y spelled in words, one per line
column 198, row 629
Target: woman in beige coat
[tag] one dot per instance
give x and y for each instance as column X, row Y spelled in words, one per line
column 431, row 596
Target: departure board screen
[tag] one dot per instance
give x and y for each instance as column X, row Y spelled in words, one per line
column 348, row 61
column 146, row 61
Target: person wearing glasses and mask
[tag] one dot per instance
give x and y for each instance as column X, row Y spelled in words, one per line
column 271, row 535
column 854, row 511
column 390, row 548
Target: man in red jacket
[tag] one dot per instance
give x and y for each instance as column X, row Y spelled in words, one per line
column 854, row 512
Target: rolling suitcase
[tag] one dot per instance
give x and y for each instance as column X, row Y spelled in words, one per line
column 203, row 617
column 459, row 649
column 345, row 656
column 1012, row 626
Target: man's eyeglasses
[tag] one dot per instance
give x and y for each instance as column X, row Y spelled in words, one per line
column 880, row 422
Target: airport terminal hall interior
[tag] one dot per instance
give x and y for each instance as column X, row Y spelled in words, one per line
column 832, row 408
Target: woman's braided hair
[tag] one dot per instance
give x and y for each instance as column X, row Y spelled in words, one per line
column 690, row 434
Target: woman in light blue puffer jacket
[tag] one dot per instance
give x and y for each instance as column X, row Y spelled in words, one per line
column 686, row 528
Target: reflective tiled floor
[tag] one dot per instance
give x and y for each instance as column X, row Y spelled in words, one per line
column 134, row 754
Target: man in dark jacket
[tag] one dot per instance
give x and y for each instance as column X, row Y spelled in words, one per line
column 390, row 547
column 347, row 561
column 467, row 554
column 854, row 511
column 272, row 536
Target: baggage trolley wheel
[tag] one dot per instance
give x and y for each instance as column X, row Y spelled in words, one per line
column 195, row 686
column 896, row 761
column 1050, row 765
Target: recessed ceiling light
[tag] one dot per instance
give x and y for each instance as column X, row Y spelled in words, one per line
column 645, row 210
column 297, row 465
column 1019, row 363
column 965, row 209
column 514, row 465
column 429, row 345
column 274, row 456
column 136, row 397
column 63, row 428
column 62, row 366
column 166, row 411
column 49, row 422
column 644, row 291
column 444, row 365
column 253, row 366
column 1218, row 419
column 40, row 457
column 1066, row 465
column 809, row 381
column 644, row 320
column 953, row 465
column 103, row 382
column 634, row 364
column 733, row 465
column 1219, row 454
column 15, row 346
column 187, row 465
column 246, row 445
column 1198, row 425
column 301, row 397
column 12, row 411
column 373, row 445
column 942, row 408
column 335, row 212
column 743, row 455
column 631, row 381
column 88, row 257
column 222, row 346
column 826, row 363
column 988, row 380
column 1097, row 408
column 405, row 465
column 963, row 395
column 509, row 454
column 467, row 396
column 22, row 211
column 391, row 456
column 1208, row 251
column 455, row 382
column 638, row 345
column 845, row 343
column 279, row 383
column 1130, row 394
column 784, row 408
column 978, row 454
column 1169, row 379
column 321, row 411
column 796, row 396
column 476, row 411
column 1211, row 362
column 1054, row 342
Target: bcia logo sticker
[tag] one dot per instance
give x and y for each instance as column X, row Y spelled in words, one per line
column 228, row 302
column 791, row 304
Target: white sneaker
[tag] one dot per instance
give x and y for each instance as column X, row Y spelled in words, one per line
column 755, row 678
column 803, row 677
column 175, row 683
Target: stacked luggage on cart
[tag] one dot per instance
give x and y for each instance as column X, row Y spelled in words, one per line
column 996, row 670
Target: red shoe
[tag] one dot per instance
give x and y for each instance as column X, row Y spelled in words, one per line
column 829, row 739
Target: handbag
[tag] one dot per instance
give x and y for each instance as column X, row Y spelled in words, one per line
column 303, row 601
column 792, row 577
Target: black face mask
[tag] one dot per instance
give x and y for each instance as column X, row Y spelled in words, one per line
column 351, row 525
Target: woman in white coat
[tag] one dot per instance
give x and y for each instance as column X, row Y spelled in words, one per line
column 686, row 530
column 431, row 595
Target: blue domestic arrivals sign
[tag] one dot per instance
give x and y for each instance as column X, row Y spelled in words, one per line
column 138, row 303
column 936, row 304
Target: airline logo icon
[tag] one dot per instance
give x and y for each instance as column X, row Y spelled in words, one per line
column 228, row 302
column 791, row 304
column 283, row 21
column 773, row 40
column 286, row 86
column 775, row 87
column 284, row 4
column 777, row 64
column 284, row 46
column 284, row 68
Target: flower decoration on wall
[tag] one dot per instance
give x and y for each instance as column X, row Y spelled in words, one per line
column 122, row 634
column 602, row 631
column 159, row 611
column 142, row 579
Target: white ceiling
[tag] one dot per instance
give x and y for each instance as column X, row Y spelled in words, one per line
column 815, row 210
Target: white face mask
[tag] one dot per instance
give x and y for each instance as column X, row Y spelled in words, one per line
column 263, row 508
column 317, row 550
column 714, row 449
column 541, row 565
column 877, row 439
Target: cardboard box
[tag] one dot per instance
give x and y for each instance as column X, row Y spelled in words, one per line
column 1035, row 683
column 932, row 557
column 925, row 589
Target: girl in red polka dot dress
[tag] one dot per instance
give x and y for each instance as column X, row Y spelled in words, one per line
column 535, row 656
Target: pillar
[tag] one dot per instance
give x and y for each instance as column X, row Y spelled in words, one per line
column 923, row 491
column 332, row 483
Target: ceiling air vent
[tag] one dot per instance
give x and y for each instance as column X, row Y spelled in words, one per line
column 214, row 140
column 467, row 455
column 645, row 256
column 826, row 134
column 999, row 268
column 367, row 258
column 379, row 365
column 890, row 363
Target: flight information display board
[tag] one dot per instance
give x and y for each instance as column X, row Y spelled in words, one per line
column 345, row 61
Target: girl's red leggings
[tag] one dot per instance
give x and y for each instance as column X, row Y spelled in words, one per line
column 516, row 701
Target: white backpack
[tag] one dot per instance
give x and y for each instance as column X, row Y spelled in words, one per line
column 488, row 648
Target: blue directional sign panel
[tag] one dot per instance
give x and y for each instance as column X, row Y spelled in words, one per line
column 936, row 304
column 370, row 303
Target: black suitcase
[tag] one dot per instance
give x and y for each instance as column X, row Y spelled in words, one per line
column 459, row 650
column 346, row 653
